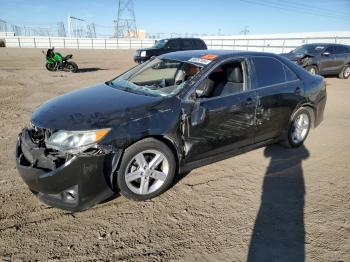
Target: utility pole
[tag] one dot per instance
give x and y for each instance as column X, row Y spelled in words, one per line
column 69, row 27
column 125, row 24
column 245, row 31
column 80, row 27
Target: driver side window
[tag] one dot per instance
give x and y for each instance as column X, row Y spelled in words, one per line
column 173, row 44
column 224, row 80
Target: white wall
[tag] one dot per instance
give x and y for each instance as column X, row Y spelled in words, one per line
column 76, row 43
column 275, row 43
column 4, row 34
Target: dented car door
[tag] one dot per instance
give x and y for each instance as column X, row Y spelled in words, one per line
column 220, row 124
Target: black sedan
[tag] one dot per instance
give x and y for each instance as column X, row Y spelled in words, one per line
column 174, row 113
column 323, row 59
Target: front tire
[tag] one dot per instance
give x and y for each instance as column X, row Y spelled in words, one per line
column 147, row 169
column 312, row 69
column 50, row 67
column 298, row 129
column 345, row 72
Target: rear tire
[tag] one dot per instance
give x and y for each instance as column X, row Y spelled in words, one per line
column 298, row 129
column 345, row 72
column 147, row 169
column 312, row 69
column 72, row 67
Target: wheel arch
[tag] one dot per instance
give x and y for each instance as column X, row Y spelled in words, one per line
column 313, row 64
column 310, row 108
column 162, row 138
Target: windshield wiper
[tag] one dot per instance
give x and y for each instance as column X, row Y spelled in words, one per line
column 109, row 83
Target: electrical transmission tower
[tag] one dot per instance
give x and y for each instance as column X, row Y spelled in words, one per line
column 76, row 27
column 3, row 26
column 61, row 31
column 125, row 25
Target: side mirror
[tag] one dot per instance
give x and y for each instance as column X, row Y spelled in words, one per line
column 326, row 53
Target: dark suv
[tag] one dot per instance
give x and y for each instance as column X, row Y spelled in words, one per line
column 323, row 59
column 169, row 45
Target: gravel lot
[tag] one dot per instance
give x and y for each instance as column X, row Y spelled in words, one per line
column 271, row 204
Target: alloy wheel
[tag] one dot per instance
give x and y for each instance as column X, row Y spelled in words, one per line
column 301, row 127
column 146, row 172
column 312, row 71
column 347, row 72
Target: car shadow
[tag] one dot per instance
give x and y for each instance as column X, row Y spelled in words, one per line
column 89, row 69
column 279, row 232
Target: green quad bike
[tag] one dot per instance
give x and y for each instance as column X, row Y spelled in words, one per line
column 55, row 61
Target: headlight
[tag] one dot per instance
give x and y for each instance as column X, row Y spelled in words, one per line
column 143, row 53
column 75, row 141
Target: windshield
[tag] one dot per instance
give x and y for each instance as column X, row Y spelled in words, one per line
column 159, row 77
column 308, row 49
column 160, row 43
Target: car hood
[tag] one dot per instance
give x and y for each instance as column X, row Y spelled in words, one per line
column 295, row 57
column 94, row 107
column 149, row 49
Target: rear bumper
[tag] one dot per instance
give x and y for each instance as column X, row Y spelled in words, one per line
column 75, row 185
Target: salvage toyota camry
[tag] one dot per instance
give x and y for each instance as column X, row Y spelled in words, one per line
column 176, row 112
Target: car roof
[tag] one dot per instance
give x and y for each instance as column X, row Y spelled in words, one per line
column 182, row 38
column 221, row 54
column 326, row 44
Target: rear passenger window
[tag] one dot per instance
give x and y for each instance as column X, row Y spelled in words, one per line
column 173, row 44
column 269, row 71
column 290, row 75
column 339, row 49
column 187, row 44
column 199, row 44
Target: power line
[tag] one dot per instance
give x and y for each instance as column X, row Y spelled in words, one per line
column 308, row 8
column 313, row 7
column 286, row 8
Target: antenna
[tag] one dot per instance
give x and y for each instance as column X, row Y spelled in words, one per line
column 125, row 25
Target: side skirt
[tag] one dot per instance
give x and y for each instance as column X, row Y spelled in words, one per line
column 187, row 167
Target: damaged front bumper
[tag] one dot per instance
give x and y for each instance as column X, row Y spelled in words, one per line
column 73, row 183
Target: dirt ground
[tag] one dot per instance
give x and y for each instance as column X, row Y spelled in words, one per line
column 271, row 204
